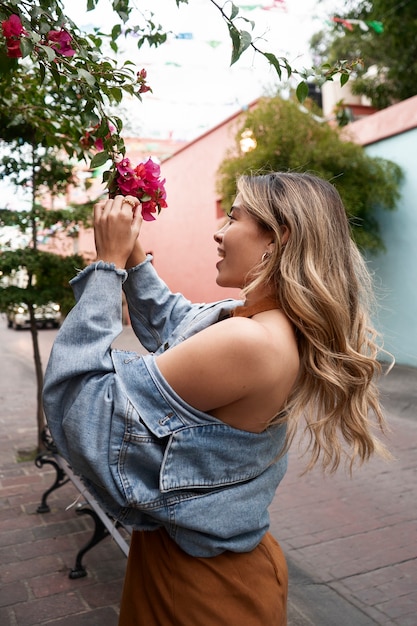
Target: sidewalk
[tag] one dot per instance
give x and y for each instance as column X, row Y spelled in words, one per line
column 351, row 544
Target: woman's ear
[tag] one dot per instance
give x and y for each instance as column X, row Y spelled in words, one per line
column 285, row 234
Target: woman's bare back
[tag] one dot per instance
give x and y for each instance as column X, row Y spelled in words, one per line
column 239, row 370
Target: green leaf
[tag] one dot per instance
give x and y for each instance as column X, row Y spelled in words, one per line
column 119, row 123
column 235, row 37
column 344, row 79
column 84, row 75
column 116, row 31
column 245, row 41
column 99, row 159
column 116, row 94
column 7, row 64
column 302, row 91
column 287, row 66
column 42, row 72
column 56, row 75
column 234, row 12
column 49, row 52
column 26, row 46
column 274, row 62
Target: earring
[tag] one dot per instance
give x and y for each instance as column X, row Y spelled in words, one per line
column 265, row 257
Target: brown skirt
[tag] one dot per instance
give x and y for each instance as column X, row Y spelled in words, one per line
column 164, row 586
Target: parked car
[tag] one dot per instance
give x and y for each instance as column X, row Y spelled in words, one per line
column 48, row 315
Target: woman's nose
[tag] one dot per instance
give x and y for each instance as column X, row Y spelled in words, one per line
column 218, row 235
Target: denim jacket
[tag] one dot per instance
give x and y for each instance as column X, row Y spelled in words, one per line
column 148, row 457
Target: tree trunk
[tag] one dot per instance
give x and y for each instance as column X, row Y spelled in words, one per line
column 40, row 416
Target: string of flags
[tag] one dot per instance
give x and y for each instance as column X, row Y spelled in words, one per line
column 273, row 4
column 378, row 27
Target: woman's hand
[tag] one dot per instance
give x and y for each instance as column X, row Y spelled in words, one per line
column 117, row 223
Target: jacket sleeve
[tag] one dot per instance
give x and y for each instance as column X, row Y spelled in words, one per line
column 155, row 312
column 80, row 360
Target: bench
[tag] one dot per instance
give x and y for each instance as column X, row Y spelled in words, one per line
column 104, row 525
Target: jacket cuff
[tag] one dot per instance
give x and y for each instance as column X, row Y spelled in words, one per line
column 136, row 268
column 98, row 265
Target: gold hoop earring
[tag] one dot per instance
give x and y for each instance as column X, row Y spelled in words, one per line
column 265, row 257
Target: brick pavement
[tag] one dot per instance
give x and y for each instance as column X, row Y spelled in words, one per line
column 351, row 543
column 38, row 550
column 357, row 537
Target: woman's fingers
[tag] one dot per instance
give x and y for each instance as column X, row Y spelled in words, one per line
column 98, row 209
column 114, row 206
column 117, row 223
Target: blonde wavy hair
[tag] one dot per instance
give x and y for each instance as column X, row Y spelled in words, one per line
column 322, row 284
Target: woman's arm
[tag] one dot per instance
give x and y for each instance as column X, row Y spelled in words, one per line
column 155, row 312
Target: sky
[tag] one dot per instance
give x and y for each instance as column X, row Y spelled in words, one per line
column 193, row 86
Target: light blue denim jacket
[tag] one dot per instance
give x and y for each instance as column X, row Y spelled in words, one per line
column 148, row 457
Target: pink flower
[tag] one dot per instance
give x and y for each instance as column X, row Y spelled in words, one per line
column 61, row 40
column 13, row 27
column 13, row 48
column 12, row 31
column 142, row 182
column 99, row 142
column 141, row 78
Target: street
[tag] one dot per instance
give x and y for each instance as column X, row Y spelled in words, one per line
column 17, row 379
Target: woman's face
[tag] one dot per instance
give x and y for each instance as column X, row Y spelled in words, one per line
column 241, row 244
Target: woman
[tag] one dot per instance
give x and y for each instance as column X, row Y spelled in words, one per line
column 190, row 441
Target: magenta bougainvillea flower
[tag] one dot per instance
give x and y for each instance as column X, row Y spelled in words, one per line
column 141, row 78
column 60, row 41
column 99, row 142
column 143, row 182
column 12, row 31
column 13, row 48
column 13, row 27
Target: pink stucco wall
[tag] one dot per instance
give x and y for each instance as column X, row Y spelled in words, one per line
column 181, row 238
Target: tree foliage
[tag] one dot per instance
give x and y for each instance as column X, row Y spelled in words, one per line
column 290, row 138
column 388, row 71
column 49, row 276
column 40, row 170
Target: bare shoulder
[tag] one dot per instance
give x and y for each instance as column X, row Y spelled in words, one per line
column 223, row 345
column 230, row 361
